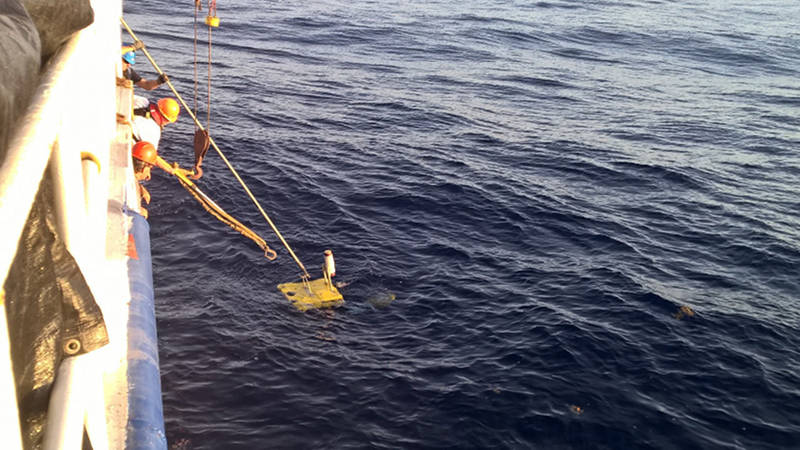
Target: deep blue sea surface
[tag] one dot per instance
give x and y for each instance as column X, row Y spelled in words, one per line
column 541, row 186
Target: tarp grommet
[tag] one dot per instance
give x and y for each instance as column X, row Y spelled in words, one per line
column 72, row 346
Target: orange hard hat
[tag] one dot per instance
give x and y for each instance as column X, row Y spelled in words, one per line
column 144, row 151
column 168, row 107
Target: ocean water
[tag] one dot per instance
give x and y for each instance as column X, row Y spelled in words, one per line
column 521, row 195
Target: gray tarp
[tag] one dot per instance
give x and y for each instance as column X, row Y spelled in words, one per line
column 58, row 20
column 30, row 32
column 49, row 307
column 19, row 66
column 51, row 311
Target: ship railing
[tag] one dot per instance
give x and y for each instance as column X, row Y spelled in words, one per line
column 68, row 128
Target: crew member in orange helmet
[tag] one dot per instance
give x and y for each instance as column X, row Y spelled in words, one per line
column 149, row 118
column 145, row 157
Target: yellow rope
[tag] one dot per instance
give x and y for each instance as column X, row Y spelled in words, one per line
column 216, row 211
column 221, row 155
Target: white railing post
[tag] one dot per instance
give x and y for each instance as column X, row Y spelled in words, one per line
column 66, row 413
column 69, row 125
column 9, row 415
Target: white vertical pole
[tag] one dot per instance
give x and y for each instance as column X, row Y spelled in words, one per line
column 65, row 165
column 95, row 207
column 65, row 415
column 9, row 415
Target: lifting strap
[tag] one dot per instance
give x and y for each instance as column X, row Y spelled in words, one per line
column 216, row 211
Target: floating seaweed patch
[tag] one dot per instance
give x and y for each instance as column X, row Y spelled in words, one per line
column 684, row 311
column 381, row 299
column 181, row 444
column 322, row 336
column 575, row 409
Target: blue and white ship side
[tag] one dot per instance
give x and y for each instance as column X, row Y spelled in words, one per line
column 75, row 127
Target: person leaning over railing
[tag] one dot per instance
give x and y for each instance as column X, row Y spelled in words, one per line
column 149, row 118
column 145, row 156
column 129, row 59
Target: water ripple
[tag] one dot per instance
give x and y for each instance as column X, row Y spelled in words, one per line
column 559, row 225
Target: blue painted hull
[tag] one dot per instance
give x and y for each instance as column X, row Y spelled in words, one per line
column 145, row 427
